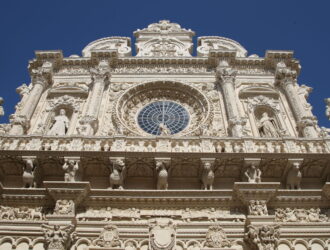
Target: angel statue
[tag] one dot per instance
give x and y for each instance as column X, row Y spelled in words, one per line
column 268, row 126
column 58, row 237
column 60, row 124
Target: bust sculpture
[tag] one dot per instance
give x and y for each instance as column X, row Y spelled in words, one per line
column 60, row 124
column 268, row 126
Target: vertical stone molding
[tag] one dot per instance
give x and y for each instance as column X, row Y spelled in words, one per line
column 286, row 78
column 41, row 78
column 226, row 76
column 100, row 76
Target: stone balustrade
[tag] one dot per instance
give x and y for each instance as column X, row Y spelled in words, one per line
column 166, row 144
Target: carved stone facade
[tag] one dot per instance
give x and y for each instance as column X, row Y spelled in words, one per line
column 164, row 150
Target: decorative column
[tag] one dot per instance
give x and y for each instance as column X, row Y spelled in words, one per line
column 226, row 76
column 286, row 78
column 41, row 78
column 100, row 76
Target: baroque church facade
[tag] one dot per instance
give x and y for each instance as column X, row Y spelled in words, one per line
column 164, row 150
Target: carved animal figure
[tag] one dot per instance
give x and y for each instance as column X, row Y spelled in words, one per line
column 162, row 177
column 28, row 174
column 117, row 175
column 36, row 214
column 207, row 176
column 294, row 177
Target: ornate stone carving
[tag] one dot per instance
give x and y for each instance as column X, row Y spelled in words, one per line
column 117, row 174
column 258, row 207
column 262, row 238
column 21, row 213
column 216, row 238
column 294, row 176
column 109, row 237
column 29, row 180
column 162, row 234
column 300, row 215
column 58, row 237
column 207, row 43
column 207, row 175
column 70, row 168
column 64, row 207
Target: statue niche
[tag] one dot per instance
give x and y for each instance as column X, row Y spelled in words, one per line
column 267, row 122
column 59, row 122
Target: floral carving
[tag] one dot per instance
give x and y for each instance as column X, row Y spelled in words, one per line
column 21, row 213
column 300, row 215
column 216, row 238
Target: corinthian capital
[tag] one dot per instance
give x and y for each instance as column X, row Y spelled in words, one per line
column 225, row 73
column 285, row 75
column 101, row 72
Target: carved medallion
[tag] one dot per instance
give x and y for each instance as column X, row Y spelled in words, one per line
column 161, row 234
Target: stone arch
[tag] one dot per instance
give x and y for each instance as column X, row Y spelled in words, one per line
column 301, row 244
column 317, row 244
column 284, row 245
column 55, row 112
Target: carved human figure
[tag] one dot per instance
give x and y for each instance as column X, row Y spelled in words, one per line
column 70, row 168
column 258, row 207
column 163, row 129
column 64, row 207
column 117, row 175
column 253, row 174
column 29, row 174
column 207, row 176
column 268, row 126
column 60, row 124
column 162, row 175
column 294, row 177
column 58, row 237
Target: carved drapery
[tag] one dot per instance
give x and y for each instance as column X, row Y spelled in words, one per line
column 287, row 79
column 226, row 76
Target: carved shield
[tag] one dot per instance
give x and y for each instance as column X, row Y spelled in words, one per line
column 162, row 236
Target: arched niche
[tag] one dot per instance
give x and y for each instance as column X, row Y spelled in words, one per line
column 58, row 119
column 267, row 122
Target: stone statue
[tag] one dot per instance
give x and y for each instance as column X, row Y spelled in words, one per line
column 118, row 172
column 58, row 237
column 60, row 124
column 164, row 130
column 262, row 238
column 162, row 175
column 1, row 108
column 268, row 126
column 70, row 167
column 253, row 174
column 207, row 176
column 28, row 174
column 294, row 177
column 327, row 111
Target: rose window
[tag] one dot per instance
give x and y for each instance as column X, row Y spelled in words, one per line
column 163, row 118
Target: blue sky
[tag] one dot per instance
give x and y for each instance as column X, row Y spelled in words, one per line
column 302, row 26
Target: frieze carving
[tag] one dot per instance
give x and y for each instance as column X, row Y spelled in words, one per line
column 162, row 234
column 64, row 207
column 262, row 238
column 216, row 238
column 109, row 237
column 21, row 213
column 258, row 207
column 72, row 70
column 161, row 69
column 300, row 215
column 58, row 237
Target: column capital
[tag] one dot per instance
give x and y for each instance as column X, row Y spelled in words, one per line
column 43, row 74
column 101, row 72
column 225, row 73
column 285, row 75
